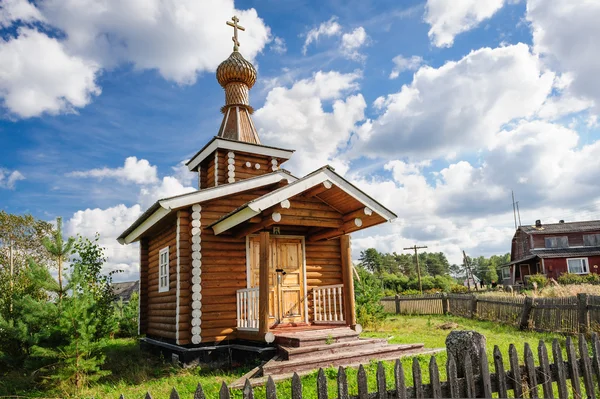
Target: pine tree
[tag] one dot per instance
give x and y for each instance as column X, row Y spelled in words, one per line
column 59, row 249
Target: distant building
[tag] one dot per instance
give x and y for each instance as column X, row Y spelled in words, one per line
column 552, row 250
column 123, row 291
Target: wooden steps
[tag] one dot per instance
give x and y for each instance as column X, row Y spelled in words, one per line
column 309, row 350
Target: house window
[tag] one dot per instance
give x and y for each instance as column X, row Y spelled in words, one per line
column 163, row 270
column 578, row 265
column 557, row 242
column 505, row 273
column 591, row 240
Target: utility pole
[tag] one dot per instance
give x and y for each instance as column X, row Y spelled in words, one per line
column 519, row 213
column 416, row 248
column 469, row 272
column 514, row 210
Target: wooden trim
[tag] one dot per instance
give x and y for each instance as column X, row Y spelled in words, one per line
column 196, row 276
column 348, row 279
column 216, row 168
column 144, row 226
column 178, row 290
column 264, row 270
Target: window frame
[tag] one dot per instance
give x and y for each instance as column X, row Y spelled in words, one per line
column 163, row 273
column 506, row 269
column 596, row 240
column 556, row 238
column 585, row 267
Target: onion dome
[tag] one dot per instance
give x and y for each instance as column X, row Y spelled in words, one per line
column 236, row 69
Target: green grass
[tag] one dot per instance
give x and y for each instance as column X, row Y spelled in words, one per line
column 135, row 372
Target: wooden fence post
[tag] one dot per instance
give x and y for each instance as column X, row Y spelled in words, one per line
column 397, row 304
column 582, row 313
column 445, row 303
column 473, row 306
column 527, row 307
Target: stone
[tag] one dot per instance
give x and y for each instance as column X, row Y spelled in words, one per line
column 461, row 342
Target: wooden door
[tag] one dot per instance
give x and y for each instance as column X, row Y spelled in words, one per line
column 286, row 291
column 288, row 257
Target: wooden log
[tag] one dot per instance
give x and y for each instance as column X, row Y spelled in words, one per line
column 161, row 333
column 267, row 221
column 363, row 389
column 573, row 369
column 321, row 188
column 515, row 371
column 452, row 373
column 434, row 379
column 264, row 289
column 586, row 367
column 559, row 367
column 530, row 371
column 500, row 373
column 348, row 280
column 417, row 379
column 399, row 381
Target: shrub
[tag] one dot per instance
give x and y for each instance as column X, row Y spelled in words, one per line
column 368, row 294
column 539, row 279
column 411, row 292
column 570, row 278
column 459, row 289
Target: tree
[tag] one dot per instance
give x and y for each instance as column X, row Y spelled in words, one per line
column 371, row 260
column 59, row 249
column 368, row 294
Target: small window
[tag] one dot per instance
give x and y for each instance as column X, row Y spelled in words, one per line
column 505, row 273
column 163, row 270
column 591, row 240
column 578, row 266
column 557, row 242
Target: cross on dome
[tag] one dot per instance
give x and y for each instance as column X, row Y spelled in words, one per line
column 234, row 24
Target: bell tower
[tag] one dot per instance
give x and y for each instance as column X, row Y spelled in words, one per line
column 236, row 153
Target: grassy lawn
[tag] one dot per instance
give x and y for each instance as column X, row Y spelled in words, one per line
column 134, row 373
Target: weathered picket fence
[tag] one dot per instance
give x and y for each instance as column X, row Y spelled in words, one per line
column 575, row 314
column 562, row 378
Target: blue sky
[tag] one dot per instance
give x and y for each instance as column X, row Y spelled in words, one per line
column 437, row 108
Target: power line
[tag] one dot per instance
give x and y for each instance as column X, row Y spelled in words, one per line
column 416, row 248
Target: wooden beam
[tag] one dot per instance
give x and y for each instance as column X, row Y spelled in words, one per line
column 348, row 280
column 321, row 188
column 263, row 290
column 347, row 227
column 359, row 213
column 267, row 221
column 311, row 221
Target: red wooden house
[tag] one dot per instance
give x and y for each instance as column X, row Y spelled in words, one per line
column 553, row 249
column 255, row 250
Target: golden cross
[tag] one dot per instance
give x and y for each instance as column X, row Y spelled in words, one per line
column 234, row 24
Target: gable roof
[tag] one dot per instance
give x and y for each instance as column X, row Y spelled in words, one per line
column 160, row 209
column 234, row 145
column 557, row 228
column 326, row 173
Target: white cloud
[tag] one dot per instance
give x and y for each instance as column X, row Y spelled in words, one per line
column 459, row 106
column 402, row 64
column 450, row 18
column 134, row 170
column 328, row 28
column 352, row 42
column 30, row 88
column 563, row 34
column 295, row 118
column 8, row 178
column 109, row 223
column 278, row 45
column 168, row 187
column 18, row 10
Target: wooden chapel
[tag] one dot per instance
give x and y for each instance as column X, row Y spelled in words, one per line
column 255, row 250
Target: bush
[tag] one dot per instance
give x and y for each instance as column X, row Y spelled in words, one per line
column 368, row 294
column 570, row 278
column 459, row 289
column 411, row 292
column 539, row 279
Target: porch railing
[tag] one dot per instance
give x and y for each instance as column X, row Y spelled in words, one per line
column 329, row 304
column 247, row 309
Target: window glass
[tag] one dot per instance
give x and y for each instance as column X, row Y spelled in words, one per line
column 556, row 242
column 591, row 240
column 163, row 270
column 577, row 266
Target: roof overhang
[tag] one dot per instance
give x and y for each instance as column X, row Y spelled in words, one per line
column 319, row 176
column 164, row 207
column 234, row 145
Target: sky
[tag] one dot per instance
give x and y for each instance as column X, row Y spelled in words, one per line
column 439, row 109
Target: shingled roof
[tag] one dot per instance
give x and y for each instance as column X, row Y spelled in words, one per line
column 566, row 252
column 555, row 228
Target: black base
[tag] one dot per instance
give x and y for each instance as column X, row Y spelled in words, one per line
column 228, row 354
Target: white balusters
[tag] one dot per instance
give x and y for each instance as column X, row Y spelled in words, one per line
column 328, row 305
column 247, row 308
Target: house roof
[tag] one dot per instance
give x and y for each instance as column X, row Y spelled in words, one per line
column 160, row 209
column 319, row 176
column 125, row 290
column 556, row 228
column 234, row 145
column 566, row 252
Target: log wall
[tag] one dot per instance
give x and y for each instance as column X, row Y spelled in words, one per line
column 184, row 304
column 162, row 305
column 143, row 316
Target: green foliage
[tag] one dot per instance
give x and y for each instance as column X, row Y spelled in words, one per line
column 368, row 294
column 128, row 316
column 411, row 292
column 571, row 278
column 459, row 289
column 540, row 280
column 59, row 250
